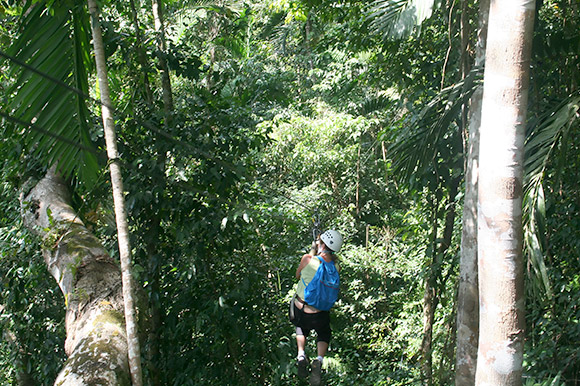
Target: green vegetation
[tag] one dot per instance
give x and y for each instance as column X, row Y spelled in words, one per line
column 281, row 109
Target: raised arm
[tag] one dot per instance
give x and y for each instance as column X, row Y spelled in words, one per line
column 303, row 263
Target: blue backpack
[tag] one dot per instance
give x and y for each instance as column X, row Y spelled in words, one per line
column 322, row 291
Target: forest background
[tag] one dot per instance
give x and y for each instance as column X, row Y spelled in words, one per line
column 273, row 112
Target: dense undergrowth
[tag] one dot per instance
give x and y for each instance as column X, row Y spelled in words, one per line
column 283, row 111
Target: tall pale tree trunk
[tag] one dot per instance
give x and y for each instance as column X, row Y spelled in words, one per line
column 506, row 80
column 118, row 198
column 96, row 342
column 468, row 293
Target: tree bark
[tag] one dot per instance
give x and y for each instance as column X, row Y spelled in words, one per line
column 434, row 281
column 430, row 301
column 468, row 293
column 162, row 51
column 141, row 56
column 506, row 84
column 118, row 198
column 89, row 279
column 155, row 314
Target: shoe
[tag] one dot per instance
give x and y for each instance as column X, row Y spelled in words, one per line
column 315, row 373
column 302, row 366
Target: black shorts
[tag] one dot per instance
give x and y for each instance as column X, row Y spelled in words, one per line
column 319, row 322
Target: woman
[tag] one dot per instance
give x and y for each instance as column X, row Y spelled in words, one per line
column 309, row 318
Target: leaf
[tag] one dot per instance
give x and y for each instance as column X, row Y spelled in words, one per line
column 541, row 147
column 51, row 47
column 420, row 140
column 377, row 103
column 397, row 19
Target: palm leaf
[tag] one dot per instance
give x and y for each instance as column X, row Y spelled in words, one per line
column 542, row 143
column 397, row 19
column 55, row 50
column 375, row 103
column 280, row 36
column 417, row 146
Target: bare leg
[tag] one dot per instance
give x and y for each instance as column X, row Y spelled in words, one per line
column 322, row 347
column 302, row 359
column 315, row 374
column 301, row 342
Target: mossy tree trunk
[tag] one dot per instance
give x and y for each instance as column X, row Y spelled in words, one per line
column 90, row 281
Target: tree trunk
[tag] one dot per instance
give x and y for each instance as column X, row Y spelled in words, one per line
column 141, row 56
column 434, row 281
column 90, row 281
column 506, row 81
column 164, row 69
column 430, row 302
column 468, row 293
column 118, row 198
column 155, row 314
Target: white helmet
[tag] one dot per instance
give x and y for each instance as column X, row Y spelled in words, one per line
column 332, row 239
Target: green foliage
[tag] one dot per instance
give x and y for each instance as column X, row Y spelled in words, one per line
column 49, row 63
column 553, row 319
column 31, row 305
column 282, row 108
column 397, row 19
column 551, row 230
column 376, row 326
column 546, row 144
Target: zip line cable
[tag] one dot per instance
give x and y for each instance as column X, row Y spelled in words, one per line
column 117, row 113
column 315, row 214
column 302, row 204
column 45, row 132
column 315, row 219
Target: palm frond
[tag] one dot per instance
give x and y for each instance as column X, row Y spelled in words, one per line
column 419, row 141
column 397, row 19
column 541, row 147
column 56, row 47
column 275, row 20
column 376, row 103
column 279, row 37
